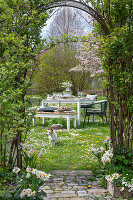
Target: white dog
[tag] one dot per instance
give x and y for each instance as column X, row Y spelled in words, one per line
column 52, row 136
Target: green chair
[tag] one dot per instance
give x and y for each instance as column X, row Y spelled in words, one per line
column 98, row 108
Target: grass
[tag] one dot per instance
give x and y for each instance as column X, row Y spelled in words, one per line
column 72, row 150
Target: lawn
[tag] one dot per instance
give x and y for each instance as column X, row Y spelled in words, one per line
column 72, row 150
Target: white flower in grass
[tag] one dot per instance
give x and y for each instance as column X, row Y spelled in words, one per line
column 28, row 175
column 33, row 171
column 30, row 152
column 111, row 155
column 33, row 193
column 101, row 149
column 16, row 170
column 23, row 193
column 28, row 169
column 103, row 160
column 122, row 189
column 106, row 153
column 28, row 192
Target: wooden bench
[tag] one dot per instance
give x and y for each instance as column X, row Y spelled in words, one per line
column 66, row 115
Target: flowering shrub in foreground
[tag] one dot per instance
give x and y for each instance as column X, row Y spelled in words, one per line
column 127, row 183
column 28, row 181
column 106, row 158
column 28, row 184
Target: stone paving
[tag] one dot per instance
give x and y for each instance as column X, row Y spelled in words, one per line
column 74, row 185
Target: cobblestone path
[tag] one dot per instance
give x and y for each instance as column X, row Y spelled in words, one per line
column 74, row 185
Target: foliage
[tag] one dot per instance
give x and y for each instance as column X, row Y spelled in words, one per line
column 20, row 25
column 116, row 54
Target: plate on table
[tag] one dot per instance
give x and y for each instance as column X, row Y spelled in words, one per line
column 63, row 109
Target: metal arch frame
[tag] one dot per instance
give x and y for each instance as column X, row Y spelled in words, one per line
column 82, row 6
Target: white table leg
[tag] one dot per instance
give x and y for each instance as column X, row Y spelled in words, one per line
column 43, row 120
column 59, row 103
column 33, row 119
column 94, row 118
column 68, row 122
column 42, row 103
column 74, row 122
column 78, row 113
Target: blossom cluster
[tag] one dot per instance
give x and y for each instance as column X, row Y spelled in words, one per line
column 127, row 184
column 107, row 141
column 39, row 174
column 112, row 177
column 16, row 170
column 107, row 156
column 97, row 150
column 30, row 172
column 27, row 192
column 29, row 149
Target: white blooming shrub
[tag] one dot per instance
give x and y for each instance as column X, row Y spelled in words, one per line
column 106, row 157
column 29, row 180
column 28, row 183
column 30, row 154
column 127, row 183
column 111, row 178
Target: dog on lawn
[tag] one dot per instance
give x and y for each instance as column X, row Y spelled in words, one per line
column 52, row 136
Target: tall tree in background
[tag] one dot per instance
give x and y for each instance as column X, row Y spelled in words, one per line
column 53, row 69
column 68, row 21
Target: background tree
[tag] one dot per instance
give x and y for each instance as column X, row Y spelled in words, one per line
column 68, row 20
column 54, row 68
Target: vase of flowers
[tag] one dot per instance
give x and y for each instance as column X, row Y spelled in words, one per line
column 67, row 85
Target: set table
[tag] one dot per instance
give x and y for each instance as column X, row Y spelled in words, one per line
column 78, row 101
